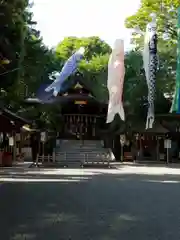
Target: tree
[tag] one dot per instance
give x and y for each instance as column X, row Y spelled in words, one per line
column 166, row 23
column 13, row 28
column 38, row 64
column 25, row 62
column 166, row 16
column 135, row 88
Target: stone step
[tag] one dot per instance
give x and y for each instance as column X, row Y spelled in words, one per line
column 86, row 153
column 70, row 156
column 81, row 147
column 79, row 141
column 77, row 145
column 63, row 149
column 80, row 144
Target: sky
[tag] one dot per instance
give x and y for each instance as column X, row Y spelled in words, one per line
column 57, row 19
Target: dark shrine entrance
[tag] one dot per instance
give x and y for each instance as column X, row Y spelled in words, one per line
column 82, row 115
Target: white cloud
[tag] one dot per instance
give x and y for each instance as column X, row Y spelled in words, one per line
column 57, row 19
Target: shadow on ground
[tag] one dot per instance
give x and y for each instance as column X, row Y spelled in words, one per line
column 89, row 204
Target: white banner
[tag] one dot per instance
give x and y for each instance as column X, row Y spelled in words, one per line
column 167, row 143
column 116, row 72
column 11, row 141
column 43, row 136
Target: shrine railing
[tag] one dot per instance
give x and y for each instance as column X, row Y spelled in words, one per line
column 64, row 158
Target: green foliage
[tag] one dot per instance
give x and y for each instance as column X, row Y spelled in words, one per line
column 135, row 88
column 166, row 11
column 13, row 27
column 25, row 62
column 166, row 16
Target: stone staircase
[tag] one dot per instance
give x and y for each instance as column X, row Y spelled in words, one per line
column 88, row 152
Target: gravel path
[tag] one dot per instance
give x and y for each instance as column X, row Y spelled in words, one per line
column 90, row 204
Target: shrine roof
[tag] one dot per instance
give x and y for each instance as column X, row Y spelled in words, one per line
column 13, row 116
column 76, row 86
column 169, row 116
column 11, row 121
column 157, row 128
column 80, row 89
column 75, row 97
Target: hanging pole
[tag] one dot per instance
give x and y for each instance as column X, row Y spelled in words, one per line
column 167, row 153
column 176, row 101
column 178, row 58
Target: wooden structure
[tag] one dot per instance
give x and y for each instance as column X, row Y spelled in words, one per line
column 10, row 125
column 150, row 143
column 82, row 114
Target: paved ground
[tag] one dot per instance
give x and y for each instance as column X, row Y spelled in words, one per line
column 129, row 203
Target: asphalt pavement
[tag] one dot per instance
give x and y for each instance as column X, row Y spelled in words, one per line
column 129, row 203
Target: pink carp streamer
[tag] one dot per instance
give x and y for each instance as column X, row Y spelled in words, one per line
column 116, row 72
